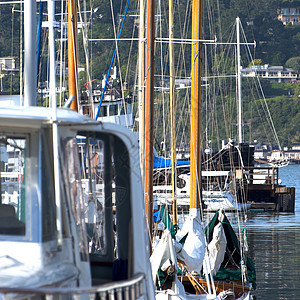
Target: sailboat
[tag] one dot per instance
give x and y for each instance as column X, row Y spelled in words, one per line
column 58, row 239
column 218, row 184
column 197, row 253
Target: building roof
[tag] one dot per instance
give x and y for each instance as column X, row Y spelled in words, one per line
column 267, row 68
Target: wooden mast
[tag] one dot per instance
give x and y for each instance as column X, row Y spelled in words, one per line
column 149, row 107
column 172, row 111
column 72, row 53
column 195, row 147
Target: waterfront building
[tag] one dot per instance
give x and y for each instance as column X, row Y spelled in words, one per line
column 272, row 73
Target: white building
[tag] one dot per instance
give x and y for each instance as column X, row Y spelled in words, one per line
column 289, row 15
column 7, row 64
column 296, row 146
column 272, row 73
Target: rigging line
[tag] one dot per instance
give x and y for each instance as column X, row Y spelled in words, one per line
column 264, row 110
column 38, row 44
column 163, row 94
column 206, row 97
column 260, row 116
column 185, row 41
column 12, row 46
column 86, row 53
column 60, row 53
column 112, row 60
column 223, row 58
column 268, row 111
column 119, row 64
column 129, row 57
column 21, row 55
column 127, row 71
column 182, row 34
column 229, row 49
column 182, row 66
column 113, row 39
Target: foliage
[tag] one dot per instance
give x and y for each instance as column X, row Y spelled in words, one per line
column 256, row 62
column 276, row 45
column 290, row 3
column 294, row 63
column 10, row 84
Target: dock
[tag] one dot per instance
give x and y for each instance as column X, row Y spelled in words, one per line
column 264, row 191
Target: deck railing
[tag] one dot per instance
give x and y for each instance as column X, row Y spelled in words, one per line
column 129, row 289
column 265, row 175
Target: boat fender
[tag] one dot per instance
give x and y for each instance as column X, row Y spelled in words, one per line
column 226, row 295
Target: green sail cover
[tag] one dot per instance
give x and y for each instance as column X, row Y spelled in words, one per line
column 232, row 254
column 167, row 221
column 232, row 250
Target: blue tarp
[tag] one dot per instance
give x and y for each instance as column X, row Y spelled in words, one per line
column 161, row 162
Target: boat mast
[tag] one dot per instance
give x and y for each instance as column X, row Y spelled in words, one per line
column 239, row 81
column 172, row 111
column 196, row 203
column 30, row 98
column 72, row 53
column 21, row 55
column 149, row 107
column 57, row 176
column 195, row 142
column 141, row 92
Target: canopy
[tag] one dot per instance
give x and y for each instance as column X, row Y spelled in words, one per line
column 161, row 162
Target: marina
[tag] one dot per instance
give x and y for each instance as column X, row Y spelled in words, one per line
column 90, row 211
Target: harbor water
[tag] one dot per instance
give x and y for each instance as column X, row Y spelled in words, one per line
column 274, row 245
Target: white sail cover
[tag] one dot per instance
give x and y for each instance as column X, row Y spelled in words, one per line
column 216, row 251
column 194, row 246
column 163, row 253
column 164, row 257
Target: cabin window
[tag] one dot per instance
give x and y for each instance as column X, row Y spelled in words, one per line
column 128, row 108
column 122, row 109
column 91, row 152
column 12, row 171
column 73, row 181
column 49, row 230
column 106, row 180
column 86, row 110
column 113, row 110
column 103, row 111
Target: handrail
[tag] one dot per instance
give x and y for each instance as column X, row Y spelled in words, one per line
column 272, row 174
column 124, row 289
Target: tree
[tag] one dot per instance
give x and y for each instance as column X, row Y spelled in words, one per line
column 256, row 62
column 297, row 91
column 294, row 63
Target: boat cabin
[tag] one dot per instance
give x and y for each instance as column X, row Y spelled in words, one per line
column 74, row 220
column 113, row 110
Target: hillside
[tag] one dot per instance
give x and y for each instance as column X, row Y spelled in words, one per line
column 276, row 44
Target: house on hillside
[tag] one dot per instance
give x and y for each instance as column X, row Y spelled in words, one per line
column 293, row 155
column 7, row 64
column 272, row 73
column 262, row 150
column 295, row 146
column 289, row 15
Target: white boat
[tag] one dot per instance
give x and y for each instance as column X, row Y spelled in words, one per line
column 217, row 195
column 198, row 253
column 56, row 238
column 72, row 244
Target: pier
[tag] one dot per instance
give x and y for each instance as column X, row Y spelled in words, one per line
column 265, row 192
